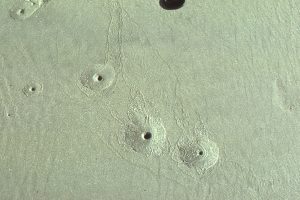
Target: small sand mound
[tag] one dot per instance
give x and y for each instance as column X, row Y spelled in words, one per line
column 97, row 79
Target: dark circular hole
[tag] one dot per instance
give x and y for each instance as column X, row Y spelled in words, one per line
column 22, row 11
column 147, row 136
column 32, row 89
column 201, row 153
column 99, row 78
column 171, row 4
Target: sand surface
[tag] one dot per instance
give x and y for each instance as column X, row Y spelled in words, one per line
column 126, row 100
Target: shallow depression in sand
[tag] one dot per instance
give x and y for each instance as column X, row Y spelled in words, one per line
column 26, row 9
column 97, row 79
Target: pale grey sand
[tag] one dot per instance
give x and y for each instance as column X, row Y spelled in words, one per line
column 126, row 100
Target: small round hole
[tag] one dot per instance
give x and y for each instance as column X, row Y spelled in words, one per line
column 147, row 136
column 21, row 11
column 32, row 89
column 171, row 4
column 99, row 78
column 201, row 153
